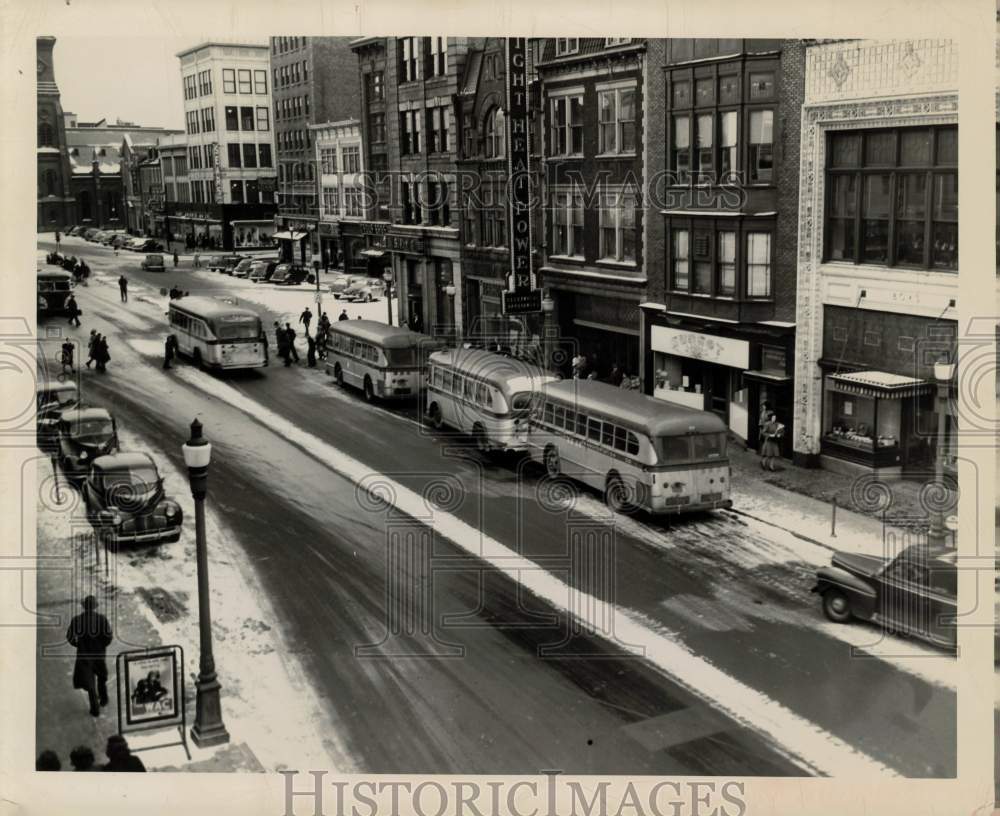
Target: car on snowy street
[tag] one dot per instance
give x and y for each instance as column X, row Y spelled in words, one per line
column 262, row 270
column 341, row 282
column 51, row 399
column 124, row 498
column 54, row 287
column 287, row 274
column 366, row 290
column 912, row 594
column 242, row 269
column 154, row 263
column 146, row 245
column 84, row 435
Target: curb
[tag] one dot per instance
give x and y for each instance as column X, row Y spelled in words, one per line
column 796, row 533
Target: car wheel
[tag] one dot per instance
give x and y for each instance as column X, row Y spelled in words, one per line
column 552, row 465
column 481, row 439
column 435, row 417
column 369, row 391
column 836, row 606
column 338, row 375
column 368, row 299
column 617, row 496
column 196, row 357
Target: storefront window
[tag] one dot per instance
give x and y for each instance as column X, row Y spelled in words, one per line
column 864, row 428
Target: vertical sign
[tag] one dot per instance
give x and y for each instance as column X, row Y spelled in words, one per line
column 520, row 294
column 217, row 168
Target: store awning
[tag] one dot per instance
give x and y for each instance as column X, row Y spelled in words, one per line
column 373, row 253
column 880, row 385
column 768, row 377
column 289, row 236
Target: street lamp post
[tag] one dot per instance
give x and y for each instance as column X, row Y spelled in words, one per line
column 548, row 308
column 208, row 726
column 387, row 277
column 450, row 290
column 943, row 372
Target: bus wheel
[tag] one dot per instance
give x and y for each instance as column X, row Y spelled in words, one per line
column 481, row 439
column 616, row 495
column 338, row 375
column 434, row 415
column 552, row 461
column 196, row 358
column 369, row 391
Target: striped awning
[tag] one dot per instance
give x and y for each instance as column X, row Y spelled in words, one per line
column 880, row 385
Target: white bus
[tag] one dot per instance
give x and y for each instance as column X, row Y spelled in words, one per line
column 486, row 395
column 385, row 362
column 641, row 452
column 215, row 334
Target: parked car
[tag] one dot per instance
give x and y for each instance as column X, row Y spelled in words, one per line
column 262, row 270
column 51, row 399
column 121, row 240
column 134, row 244
column 242, row 269
column 154, row 263
column 912, row 594
column 85, row 434
column 77, row 230
column 91, row 233
column 341, row 282
column 230, row 262
column 367, row 290
column 215, row 263
column 108, row 237
column 124, row 497
column 146, row 245
column 287, row 274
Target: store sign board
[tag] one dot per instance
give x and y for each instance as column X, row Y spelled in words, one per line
column 217, row 172
column 725, row 351
column 521, row 278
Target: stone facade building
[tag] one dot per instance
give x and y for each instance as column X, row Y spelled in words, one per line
column 56, row 209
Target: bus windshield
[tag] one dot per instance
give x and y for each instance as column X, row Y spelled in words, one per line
column 521, row 403
column 242, row 330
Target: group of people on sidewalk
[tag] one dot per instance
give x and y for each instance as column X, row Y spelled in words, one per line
column 120, row 758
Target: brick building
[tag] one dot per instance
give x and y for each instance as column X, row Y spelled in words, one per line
column 314, row 79
column 878, row 254
column 718, row 329
column 409, row 86
column 56, row 208
column 594, row 100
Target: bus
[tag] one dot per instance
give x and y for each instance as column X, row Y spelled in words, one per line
column 385, row 362
column 53, row 288
column 486, row 395
column 216, row 334
column 640, row 452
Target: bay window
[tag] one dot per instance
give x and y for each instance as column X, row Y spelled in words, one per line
column 760, row 158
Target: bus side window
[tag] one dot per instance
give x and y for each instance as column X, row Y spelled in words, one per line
column 489, row 397
column 335, row 341
column 547, row 415
column 560, row 416
column 470, row 390
column 581, row 424
column 632, row 444
column 594, row 429
column 482, row 392
column 619, row 439
column 447, row 381
column 570, row 424
column 608, row 435
column 438, row 377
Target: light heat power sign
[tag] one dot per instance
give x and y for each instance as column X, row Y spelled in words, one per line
column 217, row 173
column 521, row 278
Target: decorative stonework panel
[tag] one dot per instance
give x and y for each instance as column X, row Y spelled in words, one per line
column 817, row 120
column 880, row 68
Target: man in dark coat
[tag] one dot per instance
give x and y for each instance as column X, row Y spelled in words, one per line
column 102, row 356
column 306, row 318
column 281, row 341
column 169, row 350
column 120, row 756
column 90, row 633
column 73, row 311
column 175, row 259
column 343, row 315
column 290, row 335
column 311, row 353
column 123, row 287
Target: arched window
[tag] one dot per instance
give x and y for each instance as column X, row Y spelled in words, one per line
column 495, row 127
column 45, row 136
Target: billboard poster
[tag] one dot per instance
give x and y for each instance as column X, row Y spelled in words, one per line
column 151, row 687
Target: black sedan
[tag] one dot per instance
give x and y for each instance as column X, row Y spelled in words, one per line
column 147, row 245
column 85, row 434
column 911, row 594
column 287, row 274
column 125, row 501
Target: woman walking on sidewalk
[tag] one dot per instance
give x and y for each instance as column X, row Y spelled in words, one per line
column 772, row 432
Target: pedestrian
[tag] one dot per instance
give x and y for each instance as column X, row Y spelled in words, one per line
column 343, row 316
column 90, row 633
column 123, row 287
column 169, row 350
column 175, row 259
column 120, row 757
column 82, row 758
column 197, row 261
column 311, row 351
column 281, row 341
column 66, row 357
column 765, row 413
column 616, row 375
column 102, row 357
column 90, row 347
column 290, row 337
column 73, row 310
column 306, row 318
column 174, row 292
column 48, row 761
column 773, row 432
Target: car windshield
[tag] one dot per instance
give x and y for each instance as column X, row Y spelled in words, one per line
column 127, row 485
column 84, row 428
column 238, row 330
column 281, row 270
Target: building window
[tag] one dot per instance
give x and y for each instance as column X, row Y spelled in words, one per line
column 469, row 219
column 208, row 120
column 374, row 86
column 437, row 56
column 468, row 136
column 409, row 132
column 354, row 202
column 228, row 80
column 727, row 263
column 235, row 159
column 246, row 118
column 681, row 162
column 567, row 224
column 616, row 120
column 437, row 130
column 249, row 155
column 46, row 135
column 260, row 82
column 204, row 83
column 495, row 132
column 567, row 46
column 376, row 128
column 679, row 270
column 190, row 87
column 901, row 183
column 352, row 158
column 759, row 264
column 617, row 226
column 265, row 155
column 244, row 76
column 567, row 126
column 727, row 146
column 209, row 156
column 411, row 210
column 610, row 41
column 232, row 118
column 761, row 147
column 263, row 119
column 331, row 201
column 236, row 192
column 439, row 213
column 328, row 159
column 409, row 52
column 705, row 152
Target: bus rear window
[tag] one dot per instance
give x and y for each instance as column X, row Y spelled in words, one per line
column 673, row 449
column 400, row 357
column 709, row 446
column 239, row 331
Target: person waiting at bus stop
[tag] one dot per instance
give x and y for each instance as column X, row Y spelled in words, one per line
column 169, row 350
column 281, row 341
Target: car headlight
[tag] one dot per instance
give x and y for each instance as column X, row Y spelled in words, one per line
column 170, row 512
column 83, row 455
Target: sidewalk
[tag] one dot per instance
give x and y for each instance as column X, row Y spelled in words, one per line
column 801, row 501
